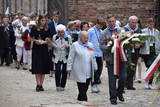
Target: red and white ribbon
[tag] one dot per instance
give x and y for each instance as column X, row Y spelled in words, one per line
column 152, row 68
column 116, row 57
column 122, row 53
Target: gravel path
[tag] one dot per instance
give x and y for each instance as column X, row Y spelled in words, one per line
column 17, row 89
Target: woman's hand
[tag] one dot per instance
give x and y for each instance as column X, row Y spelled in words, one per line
column 48, row 40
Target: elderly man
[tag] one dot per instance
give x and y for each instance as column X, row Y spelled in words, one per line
column 82, row 62
column 61, row 43
column 133, row 53
column 106, row 48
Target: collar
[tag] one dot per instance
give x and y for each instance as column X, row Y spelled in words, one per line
column 64, row 36
column 129, row 28
column 83, row 44
column 112, row 29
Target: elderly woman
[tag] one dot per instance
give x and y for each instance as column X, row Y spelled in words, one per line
column 71, row 30
column 61, row 43
column 82, row 62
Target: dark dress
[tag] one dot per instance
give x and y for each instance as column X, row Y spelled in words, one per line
column 40, row 55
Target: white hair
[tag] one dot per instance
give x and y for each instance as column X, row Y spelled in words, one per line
column 60, row 27
column 133, row 18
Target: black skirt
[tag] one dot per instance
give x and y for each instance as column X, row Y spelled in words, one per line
column 40, row 59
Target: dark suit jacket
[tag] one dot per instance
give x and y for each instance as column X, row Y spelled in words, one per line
column 104, row 39
column 52, row 27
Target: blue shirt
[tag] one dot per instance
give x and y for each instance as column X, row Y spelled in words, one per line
column 112, row 30
column 94, row 37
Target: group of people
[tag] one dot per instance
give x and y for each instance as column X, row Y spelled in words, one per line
column 44, row 46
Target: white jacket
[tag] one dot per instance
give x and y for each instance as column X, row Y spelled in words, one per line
column 81, row 61
column 59, row 51
column 18, row 33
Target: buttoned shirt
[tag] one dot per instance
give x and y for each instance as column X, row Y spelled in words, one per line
column 94, row 37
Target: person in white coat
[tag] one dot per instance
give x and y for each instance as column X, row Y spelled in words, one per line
column 82, row 63
column 19, row 42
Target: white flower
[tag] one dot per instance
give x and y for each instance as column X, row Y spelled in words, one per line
column 136, row 35
column 114, row 36
column 136, row 39
column 127, row 42
column 123, row 31
column 109, row 43
column 143, row 34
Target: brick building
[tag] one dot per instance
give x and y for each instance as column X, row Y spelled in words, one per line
column 90, row 9
column 86, row 10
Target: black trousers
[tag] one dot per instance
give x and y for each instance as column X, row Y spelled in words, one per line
column 50, row 60
column 98, row 73
column 60, row 74
column 5, row 56
column 131, row 73
column 82, row 88
column 115, row 90
column 13, row 54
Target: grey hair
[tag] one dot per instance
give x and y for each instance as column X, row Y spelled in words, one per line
column 133, row 18
column 82, row 33
column 70, row 23
column 77, row 21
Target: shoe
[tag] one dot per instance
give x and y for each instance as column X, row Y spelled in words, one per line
column 18, row 67
column 94, row 89
column 41, row 88
column 114, row 102
column 146, row 85
column 24, row 67
column 150, row 87
column 98, row 90
column 121, row 98
column 37, row 88
column 50, row 75
column 61, row 89
column 58, row 88
column 7, row 64
column 131, row 88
